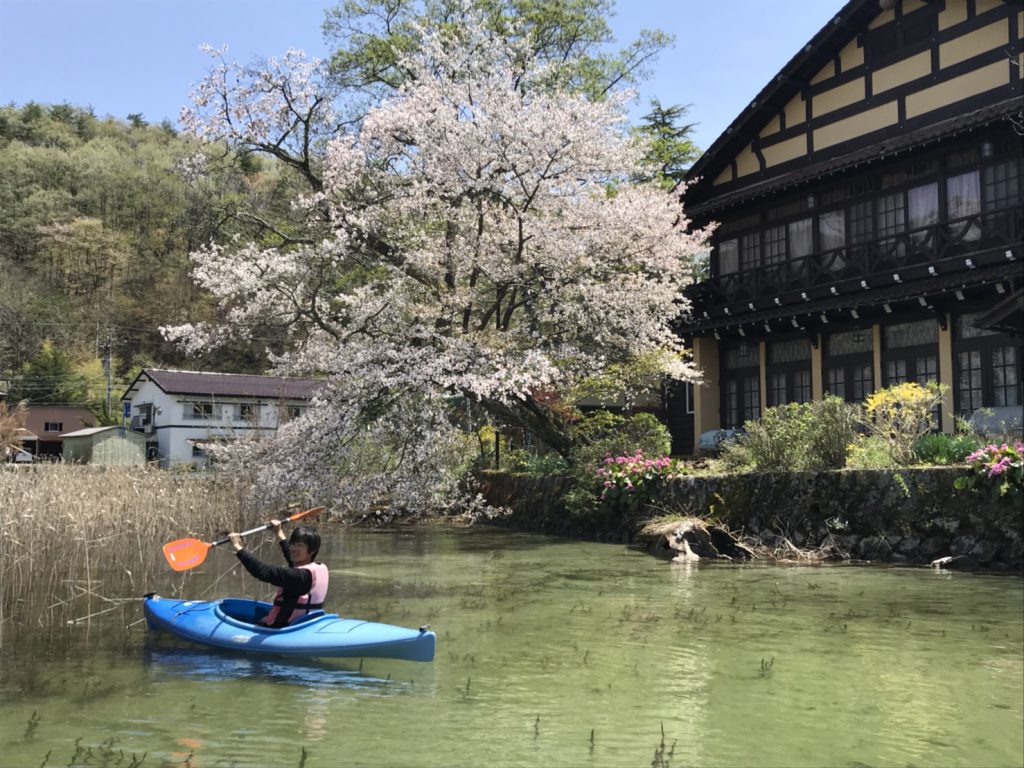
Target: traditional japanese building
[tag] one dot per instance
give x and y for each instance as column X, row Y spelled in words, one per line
column 871, row 223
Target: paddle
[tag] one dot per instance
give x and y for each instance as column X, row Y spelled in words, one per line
column 184, row 554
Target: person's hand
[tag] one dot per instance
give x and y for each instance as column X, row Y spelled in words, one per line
column 277, row 529
column 236, row 540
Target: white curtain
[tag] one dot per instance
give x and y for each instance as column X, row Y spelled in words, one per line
column 728, row 257
column 800, row 238
column 963, row 198
column 922, row 209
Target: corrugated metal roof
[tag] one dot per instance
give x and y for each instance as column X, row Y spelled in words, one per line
column 87, row 431
column 231, row 384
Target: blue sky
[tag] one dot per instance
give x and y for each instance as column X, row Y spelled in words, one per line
column 124, row 56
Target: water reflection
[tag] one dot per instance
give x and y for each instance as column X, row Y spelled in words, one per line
column 168, row 661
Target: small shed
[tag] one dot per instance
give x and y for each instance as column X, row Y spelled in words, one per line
column 104, row 445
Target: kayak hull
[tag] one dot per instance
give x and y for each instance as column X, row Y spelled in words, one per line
column 229, row 624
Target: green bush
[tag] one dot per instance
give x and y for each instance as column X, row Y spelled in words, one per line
column 945, row 449
column 832, row 426
column 602, row 433
column 871, row 452
column 796, row 436
column 530, row 462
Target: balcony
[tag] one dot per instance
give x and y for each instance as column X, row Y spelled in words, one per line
column 958, row 245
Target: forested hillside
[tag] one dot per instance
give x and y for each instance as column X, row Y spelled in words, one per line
column 97, row 218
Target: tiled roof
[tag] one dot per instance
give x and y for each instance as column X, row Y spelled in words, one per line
column 229, row 384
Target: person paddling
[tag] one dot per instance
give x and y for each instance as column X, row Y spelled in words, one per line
column 301, row 586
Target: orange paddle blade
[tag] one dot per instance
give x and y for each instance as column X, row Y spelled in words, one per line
column 185, row 553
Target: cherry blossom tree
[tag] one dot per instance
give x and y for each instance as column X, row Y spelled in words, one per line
column 483, row 244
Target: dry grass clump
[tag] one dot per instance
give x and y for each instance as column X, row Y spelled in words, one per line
column 77, row 542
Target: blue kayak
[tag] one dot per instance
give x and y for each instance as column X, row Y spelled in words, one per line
column 230, row 623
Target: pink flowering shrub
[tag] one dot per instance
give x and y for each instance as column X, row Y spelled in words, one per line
column 998, row 467
column 627, row 483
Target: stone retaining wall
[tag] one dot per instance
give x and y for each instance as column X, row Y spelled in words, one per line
column 899, row 516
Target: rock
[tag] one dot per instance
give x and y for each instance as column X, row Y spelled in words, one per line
column 962, row 545
column 868, row 547
column 908, row 545
column 897, row 558
column 931, row 546
column 984, row 551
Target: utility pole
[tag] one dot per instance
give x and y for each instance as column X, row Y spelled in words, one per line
column 106, row 368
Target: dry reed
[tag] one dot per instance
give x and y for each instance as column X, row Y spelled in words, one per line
column 79, row 542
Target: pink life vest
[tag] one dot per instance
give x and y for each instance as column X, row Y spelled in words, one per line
column 310, row 601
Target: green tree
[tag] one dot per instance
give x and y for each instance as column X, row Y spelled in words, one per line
column 50, row 378
column 669, row 147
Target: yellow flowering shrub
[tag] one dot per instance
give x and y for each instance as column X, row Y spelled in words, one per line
column 900, row 414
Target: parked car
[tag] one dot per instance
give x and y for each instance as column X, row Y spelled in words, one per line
column 21, row 457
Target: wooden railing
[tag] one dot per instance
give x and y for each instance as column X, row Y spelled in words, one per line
column 945, row 246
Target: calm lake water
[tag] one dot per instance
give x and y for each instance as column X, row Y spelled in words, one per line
column 557, row 653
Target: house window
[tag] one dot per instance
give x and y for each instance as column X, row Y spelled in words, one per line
column 198, row 410
column 849, row 372
column 775, row 245
column 860, row 223
column 1001, row 186
column 777, row 389
column 988, row 367
column 890, row 216
column 750, row 251
column 247, row 412
column 789, row 372
column 198, row 452
column 1004, row 376
column 53, row 426
column 863, row 383
column 290, row 412
column 922, row 210
column 835, row 382
column 801, row 238
column 741, row 388
column 689, row 395
column 969, row 381
column 963, row 201
column 728, row 257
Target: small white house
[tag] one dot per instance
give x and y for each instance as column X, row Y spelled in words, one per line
column 182, row 412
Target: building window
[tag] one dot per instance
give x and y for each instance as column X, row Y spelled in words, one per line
column 198, row 452
column 688, row 393
column 848, row 366
column 750, row 251
column 752, row 397
column 890, row 218
column 969, row 381
column 775, row 245
column 863, row 383
column 247, row 412
column 53, row 426
column 741, row 389
column 922, row 210
column 1001, row 186
column 860, row 229
column 777, row 389
column 835, row 382
column 801, row 238
column 728, row 257
column 198, row 410
column 987, row 367
column 1004, row 376
column 963, row 202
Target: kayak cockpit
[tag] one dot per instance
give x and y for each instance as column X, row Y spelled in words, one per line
column 247, row 612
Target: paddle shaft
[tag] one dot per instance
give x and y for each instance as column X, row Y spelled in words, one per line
column 243, row 534
column 268, row 526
